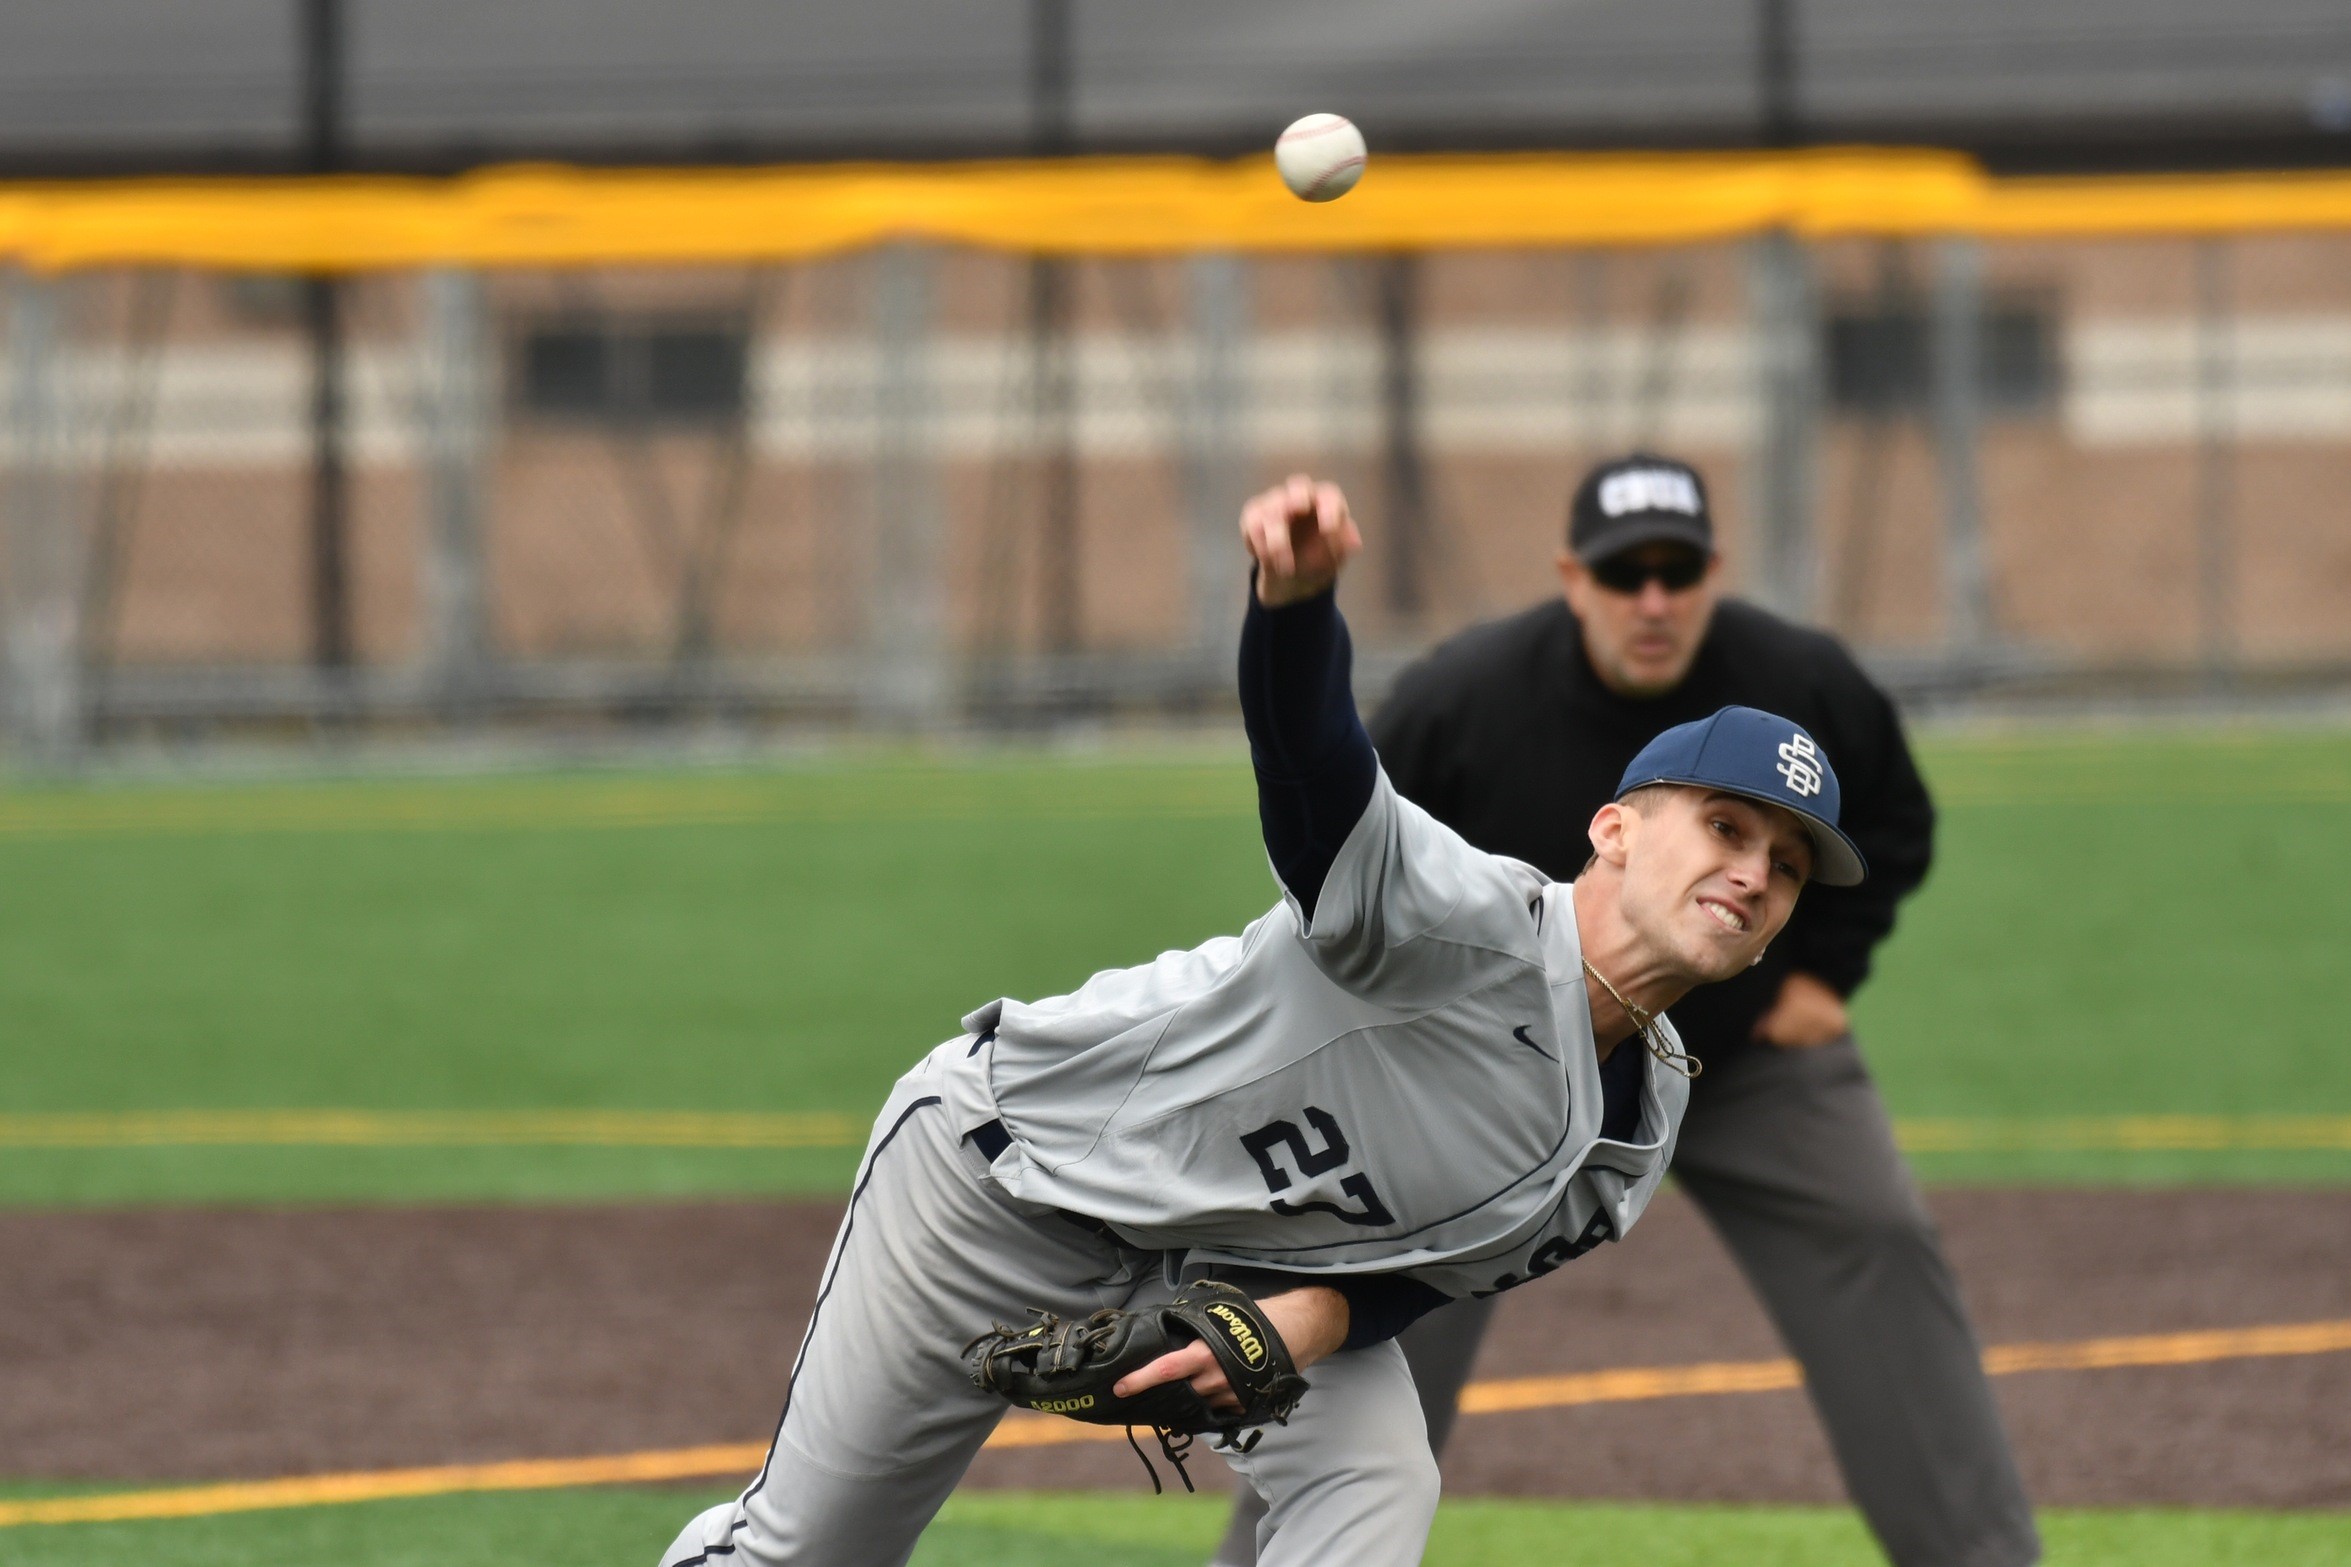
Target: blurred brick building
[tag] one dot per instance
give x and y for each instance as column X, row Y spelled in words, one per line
column 788, row 488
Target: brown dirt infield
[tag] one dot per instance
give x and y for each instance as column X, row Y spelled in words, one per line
column 196, row 1344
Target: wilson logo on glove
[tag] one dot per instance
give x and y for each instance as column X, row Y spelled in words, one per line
column 1236, row 1327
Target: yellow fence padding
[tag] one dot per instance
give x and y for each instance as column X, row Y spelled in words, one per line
column 2082, row 208
column 553, row 216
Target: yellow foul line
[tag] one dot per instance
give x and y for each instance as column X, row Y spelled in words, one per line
column 1631, row 1384
column 2127, row 1134
column 826, row 1129
column 946, row 797
column 530, row 1474
column 432, row 1129
column 2172, row 1349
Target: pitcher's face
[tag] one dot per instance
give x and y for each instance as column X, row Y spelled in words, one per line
column 1710, row 878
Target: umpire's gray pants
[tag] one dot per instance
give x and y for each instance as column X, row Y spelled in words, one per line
column 881, row 1418
column 1791, row 1157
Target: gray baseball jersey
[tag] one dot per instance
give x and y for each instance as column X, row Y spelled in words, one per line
column 1405, row 1083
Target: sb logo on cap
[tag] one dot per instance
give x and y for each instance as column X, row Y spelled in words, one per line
column 1800, row 764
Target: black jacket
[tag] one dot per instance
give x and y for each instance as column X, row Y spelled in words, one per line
column 1506, row 735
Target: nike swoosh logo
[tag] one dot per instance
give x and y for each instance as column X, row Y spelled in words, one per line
column 1523, row 1037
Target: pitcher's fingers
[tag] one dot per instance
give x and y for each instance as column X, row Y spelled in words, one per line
column 1211, row 1385
column 1265, row 529
column 1336, row 522
column 1279, row 557
column 1273, row 500
column 1330, row 509
column 1177, row 1365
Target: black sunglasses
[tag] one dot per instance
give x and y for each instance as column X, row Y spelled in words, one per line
column 1679, row 572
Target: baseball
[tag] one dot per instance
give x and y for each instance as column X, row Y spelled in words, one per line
column 1320, row 156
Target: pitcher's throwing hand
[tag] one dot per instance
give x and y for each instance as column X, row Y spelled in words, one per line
column 1301, row 535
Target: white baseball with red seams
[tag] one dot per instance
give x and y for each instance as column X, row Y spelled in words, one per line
column 1320, row 156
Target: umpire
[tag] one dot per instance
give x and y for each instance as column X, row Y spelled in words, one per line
column 1514, row 733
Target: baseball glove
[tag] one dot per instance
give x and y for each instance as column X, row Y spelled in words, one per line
column 1068, row 1368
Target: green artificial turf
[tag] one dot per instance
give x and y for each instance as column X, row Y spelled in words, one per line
column 2122, row 924
column 790, row 941
column 997, row 1529
column 2126, row 924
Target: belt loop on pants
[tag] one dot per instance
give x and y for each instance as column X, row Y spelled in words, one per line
column 991, row 1139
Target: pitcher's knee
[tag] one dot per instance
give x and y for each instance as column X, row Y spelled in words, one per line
column 1407, row 1474
column 1422, row 1485
column 1385, row 1488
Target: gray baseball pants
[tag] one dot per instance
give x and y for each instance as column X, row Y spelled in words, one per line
column 1791, row 1156
column 882, row 1419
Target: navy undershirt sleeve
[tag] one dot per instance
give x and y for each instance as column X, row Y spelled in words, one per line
column 1382, row 1305
column 1315, row 765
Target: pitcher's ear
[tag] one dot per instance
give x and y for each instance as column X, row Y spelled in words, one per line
column 1611, row 831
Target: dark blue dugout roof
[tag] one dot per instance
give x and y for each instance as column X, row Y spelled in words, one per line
column 122, row 85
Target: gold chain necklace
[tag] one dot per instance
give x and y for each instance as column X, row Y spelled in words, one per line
column 1645, row 1024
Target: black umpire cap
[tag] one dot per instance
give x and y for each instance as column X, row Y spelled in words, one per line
column 1641, row 499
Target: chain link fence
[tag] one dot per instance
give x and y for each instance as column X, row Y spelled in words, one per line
column 925, row 487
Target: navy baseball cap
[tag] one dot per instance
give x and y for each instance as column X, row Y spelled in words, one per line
column 1746, row 751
